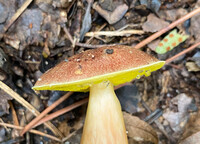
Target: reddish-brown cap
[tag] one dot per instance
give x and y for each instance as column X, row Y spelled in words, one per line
column 117, row 64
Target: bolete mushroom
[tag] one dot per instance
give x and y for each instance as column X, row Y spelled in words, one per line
column 98, row 70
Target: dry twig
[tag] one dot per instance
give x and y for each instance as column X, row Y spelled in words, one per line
column 181, row 53
column 17, row 14
column 46, row 111
column 62, row 111
column 14, row 114
column 32, row 131
column 90, row 39
column 114, row 33
column 172, row 25
column 23, row 102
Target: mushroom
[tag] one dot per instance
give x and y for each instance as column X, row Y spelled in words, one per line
column 98, row 70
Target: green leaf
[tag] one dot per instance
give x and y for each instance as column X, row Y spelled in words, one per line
column 169, row 42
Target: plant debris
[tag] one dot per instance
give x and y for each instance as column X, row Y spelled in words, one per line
column 154, row 24
column 37, row 35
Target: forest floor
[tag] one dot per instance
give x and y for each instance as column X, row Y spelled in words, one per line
column 45, row 33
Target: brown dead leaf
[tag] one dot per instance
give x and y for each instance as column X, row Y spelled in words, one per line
column 138, row 130
column 192, row 66
column 178, row 120
column 111, row 16
column 152, row 45
column 192, row 131
column 154, row 24
column 172, row 14
column 4, row 106
column 194, row 24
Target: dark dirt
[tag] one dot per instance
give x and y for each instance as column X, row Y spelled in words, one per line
column 37, row 41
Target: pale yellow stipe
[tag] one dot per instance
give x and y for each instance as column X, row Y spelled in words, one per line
column 115, row 78
column 104, row 122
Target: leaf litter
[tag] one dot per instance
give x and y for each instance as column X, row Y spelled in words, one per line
column 37, row 41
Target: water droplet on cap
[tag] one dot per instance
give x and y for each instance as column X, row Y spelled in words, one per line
column 147, row 73
column 140, row 71
column 138, row 77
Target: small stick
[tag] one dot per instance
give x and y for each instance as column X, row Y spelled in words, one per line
column 114, row 33
column 181, row 53
column 17, row 14
column 8, row 130
column 89, row 40
column 14, row 114
column 23, row 102
column 128, row 25
column 62, row 111
column 46, row 111
column 71, row 134
column 68, row 35
column 172, row 25
column 81, row 44
column 92, row 46
column 159, row 125
column 32, row 131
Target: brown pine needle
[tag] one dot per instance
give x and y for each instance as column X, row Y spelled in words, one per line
column 46, row 111
column 172, row 25
column 32, row 131
column 62, row 111
column 14, row 114
column 23, row 102
column 181, row 53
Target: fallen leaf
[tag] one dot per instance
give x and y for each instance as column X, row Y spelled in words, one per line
column 111, row 16
column 192, row 131
column 87, row 21
column 177, row 120
column 152, row 45
column 194, row 25
column 138, row 130
column 192, row 66
column 196, row 58
column 4, row 106
column 153, row 5
column 172, row 14
column 170, row 41
column 154, row 24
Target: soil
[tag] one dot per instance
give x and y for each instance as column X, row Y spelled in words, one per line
column 51, row 31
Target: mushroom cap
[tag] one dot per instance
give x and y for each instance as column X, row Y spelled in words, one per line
column 117, row 64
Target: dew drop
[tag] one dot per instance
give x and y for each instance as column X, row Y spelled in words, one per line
column 147, row 73
column 140, row 71
column 138, row 77
column 78, row 60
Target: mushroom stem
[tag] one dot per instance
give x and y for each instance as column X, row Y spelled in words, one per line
column 104, row 123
